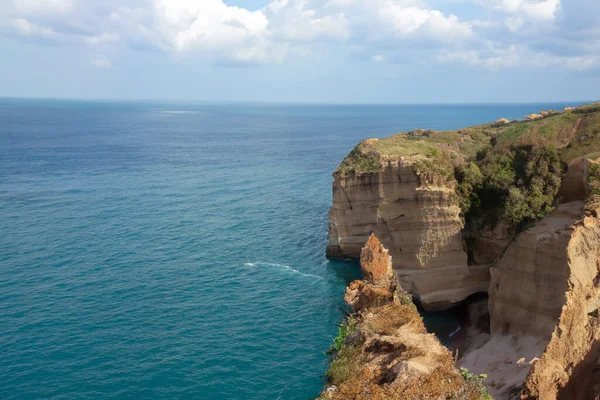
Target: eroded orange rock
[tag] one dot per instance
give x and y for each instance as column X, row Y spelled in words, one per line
column 376, row 263
column 361, row 295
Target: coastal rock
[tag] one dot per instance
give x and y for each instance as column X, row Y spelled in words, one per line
column 547, row 113
column 376, row 263
column 544, row 301
column 389, row 354
column 570, row 365
column 360, row 295
column 418, row 219
column 532, row 117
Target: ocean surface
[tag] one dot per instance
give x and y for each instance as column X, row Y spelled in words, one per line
column 176, row 251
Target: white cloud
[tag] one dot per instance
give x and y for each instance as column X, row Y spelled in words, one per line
column 209, row 24
column 297, row 20
column 27, row 28
column 517, row 33
column 59, row 7
column 514, row 24
column 515, row 56
column 535, row 9
column 407, row 20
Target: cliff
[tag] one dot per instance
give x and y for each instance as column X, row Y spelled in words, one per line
column 509, row 208
column 447, row 204
column 527, row 289
column 418, row 218
column 384, row 350
column 570, row 365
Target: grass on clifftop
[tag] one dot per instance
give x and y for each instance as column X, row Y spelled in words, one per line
column 503, row 171
column 575, row 133
column 361, row 160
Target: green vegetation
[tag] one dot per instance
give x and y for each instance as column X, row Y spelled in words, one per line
column 344, row 330
column 593, row 199
column 359, row 161
column 594, row 179
column 470, row 183
column 344, row 363
column 476, row 381
column 508, row 172
column 435, row 168
column 515, row 184
column 404, row 298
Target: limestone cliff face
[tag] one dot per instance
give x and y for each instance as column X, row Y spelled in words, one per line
column 569, row 369
column 528, row 286
column 418, row 220
column 545, row 294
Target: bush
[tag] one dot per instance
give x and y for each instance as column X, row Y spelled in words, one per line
column 359, row 161
column 470, row 181
column 345, row 366
column 344, row 330
column 594, row 178
column 345, row 359
column 477, row 381
column 517, row 185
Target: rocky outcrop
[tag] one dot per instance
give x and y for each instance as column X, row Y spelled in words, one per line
column 569, row 369
column 418, row 219
column 544, row 297
column 387, row 353
column 543, row 339
column 376, row 264
column 532, row 117
column 360, row 295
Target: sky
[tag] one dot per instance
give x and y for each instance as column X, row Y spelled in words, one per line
column 327, row 51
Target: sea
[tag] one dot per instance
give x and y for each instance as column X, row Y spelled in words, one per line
column 167, row 250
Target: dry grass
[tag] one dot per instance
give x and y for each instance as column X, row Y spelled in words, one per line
column 346, row 365
column 387, row 319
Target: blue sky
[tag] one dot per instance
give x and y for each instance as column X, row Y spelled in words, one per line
column 340, row 51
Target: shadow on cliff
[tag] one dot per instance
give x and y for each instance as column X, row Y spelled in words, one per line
column 583, row 384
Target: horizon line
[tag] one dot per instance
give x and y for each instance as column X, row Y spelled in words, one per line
column 274, row 102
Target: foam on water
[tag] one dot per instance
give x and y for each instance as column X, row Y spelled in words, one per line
column 282, row 267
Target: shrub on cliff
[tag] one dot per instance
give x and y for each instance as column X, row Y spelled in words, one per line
column 594, row 179
column 593, row 199
column 359, row 161
column 515, row 184
column 538, row 180
column 470, row 181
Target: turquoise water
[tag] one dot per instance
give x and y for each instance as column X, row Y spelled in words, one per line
column 176, row 251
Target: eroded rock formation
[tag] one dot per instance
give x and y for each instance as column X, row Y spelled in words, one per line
column 544, row 297
column 569, row 369
column 418, row 219
column 388, row 353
